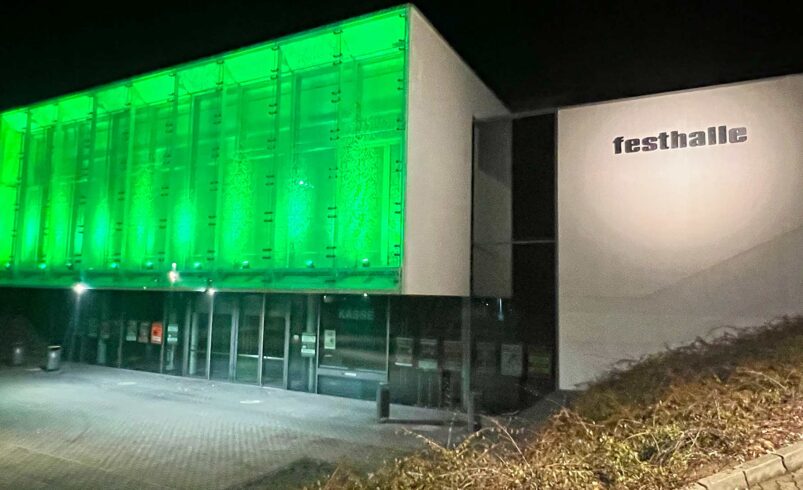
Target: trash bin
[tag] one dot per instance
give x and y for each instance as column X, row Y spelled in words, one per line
column 53, row 358
column 382, row 402
column 17, row 354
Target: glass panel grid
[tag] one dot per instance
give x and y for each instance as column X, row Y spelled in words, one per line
column 274, row 167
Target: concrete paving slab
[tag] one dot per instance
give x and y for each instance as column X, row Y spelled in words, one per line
column 96, row 427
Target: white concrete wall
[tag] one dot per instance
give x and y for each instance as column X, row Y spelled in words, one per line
column 656, row 248
column 444, row 97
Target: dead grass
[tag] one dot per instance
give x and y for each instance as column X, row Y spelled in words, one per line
column 656, row 424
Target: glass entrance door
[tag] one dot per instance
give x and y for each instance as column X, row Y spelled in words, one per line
column 224, row 333
column 302, row 351
column 174, row 333
column 275, row 342
column 249, row 325
column 249, row 338
column 198, row 345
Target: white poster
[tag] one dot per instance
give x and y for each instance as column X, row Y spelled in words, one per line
column 428, row 354
column 404, row 351
column 131, row 331
column 452, row 355
column 512, row 360
column 678, row 214
column 144, row 332
column 308, row 344
column 172, row 334
column 485, row 362
column 329, row 339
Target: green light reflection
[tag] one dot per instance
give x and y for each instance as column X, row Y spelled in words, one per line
column 273, row 167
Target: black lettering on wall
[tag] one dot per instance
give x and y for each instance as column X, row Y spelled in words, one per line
column 678, row 140
column 632, row 145
column 662, row 137
column 697, row 138
column 737, row 135
column 713, row 135
column 722, row 138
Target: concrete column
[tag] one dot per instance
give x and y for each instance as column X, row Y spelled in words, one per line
column 170, row 349
column 313, row 319
column 186, row 331
column 120, row 339
column 465, row 337
column 104, row 317
column 193, row 350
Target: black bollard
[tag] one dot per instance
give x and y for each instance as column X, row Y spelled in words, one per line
column 382, row 402
column 471, row 411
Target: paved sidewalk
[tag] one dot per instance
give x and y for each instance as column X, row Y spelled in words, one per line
column 95, row 427
column 790, row 481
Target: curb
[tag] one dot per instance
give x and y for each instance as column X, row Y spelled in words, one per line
column 771, row 465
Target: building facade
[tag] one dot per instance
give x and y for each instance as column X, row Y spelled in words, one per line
column 295, row 214
column 679, row 218
column 352, row 205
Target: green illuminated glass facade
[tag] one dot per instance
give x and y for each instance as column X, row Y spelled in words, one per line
column 274, row 167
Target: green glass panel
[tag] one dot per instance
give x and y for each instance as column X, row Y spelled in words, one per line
column 252, row 64
column 12, row 131
column 274, row 167
column 44, row 115
column 369, row 38
column 74, row 108
column 153, row 89
column 111, row 99
column 199, row 78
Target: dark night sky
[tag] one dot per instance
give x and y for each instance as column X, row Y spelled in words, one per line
column 534, row 54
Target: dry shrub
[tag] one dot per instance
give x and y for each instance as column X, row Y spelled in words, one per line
column 658, row 423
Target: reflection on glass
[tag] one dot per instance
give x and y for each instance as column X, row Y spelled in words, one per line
column 141, row 310
column 199, row 333
column 247, row 142
column 298, row 366
column 353, row 333
column 221, row 345
column 173, row 335
column 248, row 339
column 273, row 351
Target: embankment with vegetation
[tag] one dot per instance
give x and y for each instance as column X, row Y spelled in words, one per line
column 658, row 424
